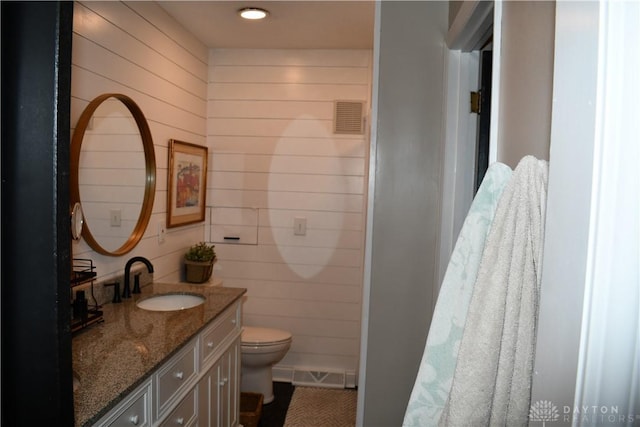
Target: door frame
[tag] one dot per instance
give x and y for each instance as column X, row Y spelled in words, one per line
column 474, row 24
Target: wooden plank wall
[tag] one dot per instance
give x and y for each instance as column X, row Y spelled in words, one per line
column 138, row 50
column 267, row 117
column 272, row 147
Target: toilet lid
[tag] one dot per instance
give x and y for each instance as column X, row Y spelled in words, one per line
column 252, row 335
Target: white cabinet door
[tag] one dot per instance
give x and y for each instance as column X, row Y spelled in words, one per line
column 208, row 398
column 233, row 395
column 219, row 390
column 223, row 390
column 229, row 382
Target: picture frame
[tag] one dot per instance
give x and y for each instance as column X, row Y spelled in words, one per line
column 187, row 183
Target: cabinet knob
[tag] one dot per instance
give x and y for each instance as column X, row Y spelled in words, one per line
column 179, row 375
column 210, row 344
column 180, row 421
column 233, row 321
column 134, row 420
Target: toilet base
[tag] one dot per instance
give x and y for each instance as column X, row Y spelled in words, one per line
column 257, row 381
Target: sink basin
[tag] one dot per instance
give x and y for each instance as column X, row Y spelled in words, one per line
column 170, row 302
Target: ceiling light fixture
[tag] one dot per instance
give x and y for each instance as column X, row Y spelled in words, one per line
column 253, row 13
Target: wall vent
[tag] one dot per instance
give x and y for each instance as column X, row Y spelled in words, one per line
column 348, row 117
column 319, row 378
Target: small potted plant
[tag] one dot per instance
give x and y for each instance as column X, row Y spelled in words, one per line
column 199, row 261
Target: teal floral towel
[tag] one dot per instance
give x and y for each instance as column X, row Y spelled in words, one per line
column 431, row 389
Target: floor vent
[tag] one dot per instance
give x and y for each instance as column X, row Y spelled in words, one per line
column 319, row 379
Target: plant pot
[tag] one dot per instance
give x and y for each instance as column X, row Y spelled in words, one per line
column 198, row 272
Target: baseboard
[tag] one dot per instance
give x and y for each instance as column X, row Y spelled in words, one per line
column 315, row 377
column 282, row 374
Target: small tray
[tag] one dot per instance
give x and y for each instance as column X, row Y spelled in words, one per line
column 94, row 315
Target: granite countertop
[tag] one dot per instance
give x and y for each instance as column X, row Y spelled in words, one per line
column 112, row 358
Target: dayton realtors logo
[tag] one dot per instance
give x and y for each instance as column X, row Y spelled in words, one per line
column 545, row 411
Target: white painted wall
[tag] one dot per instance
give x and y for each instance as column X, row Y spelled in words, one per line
column 272, row 148
column 459, row 152
column 136, row 49
column 587, row 355
column 526, row 82
column 523, row 35
column 405, row 213
column 568, row 201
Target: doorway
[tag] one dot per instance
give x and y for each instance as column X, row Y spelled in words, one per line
column 484, row 115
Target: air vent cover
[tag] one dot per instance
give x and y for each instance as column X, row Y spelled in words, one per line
column 348, row 117
column 319, row 379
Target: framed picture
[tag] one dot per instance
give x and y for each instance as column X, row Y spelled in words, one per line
column 187, row 182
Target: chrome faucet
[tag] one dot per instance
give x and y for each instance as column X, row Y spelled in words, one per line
column 126, row 292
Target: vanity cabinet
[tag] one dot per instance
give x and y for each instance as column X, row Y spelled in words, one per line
column 199, row 385
column 218, row 390
column 134, row 410
column 174, row 378
column 185, row 413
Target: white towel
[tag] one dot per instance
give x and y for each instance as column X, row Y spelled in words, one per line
column 492, row 379
column 433, row 382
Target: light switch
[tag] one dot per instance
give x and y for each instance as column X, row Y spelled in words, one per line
column 116, row 217
column 300, row 226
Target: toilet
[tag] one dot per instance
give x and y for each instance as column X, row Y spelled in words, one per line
column 261, row 349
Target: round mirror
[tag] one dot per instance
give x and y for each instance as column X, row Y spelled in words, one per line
column 113, row 173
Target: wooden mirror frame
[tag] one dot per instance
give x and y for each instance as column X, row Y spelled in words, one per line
column 150, row 175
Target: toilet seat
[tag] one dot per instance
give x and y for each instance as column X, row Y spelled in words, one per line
column 263, row 337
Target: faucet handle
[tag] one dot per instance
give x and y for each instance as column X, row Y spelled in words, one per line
column 116, row 291
column 136, row 283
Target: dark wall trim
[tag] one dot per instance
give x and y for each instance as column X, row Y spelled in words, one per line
column 484, row 120
column 36, row 341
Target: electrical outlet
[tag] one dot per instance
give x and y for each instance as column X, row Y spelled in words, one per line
column 162, row 231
